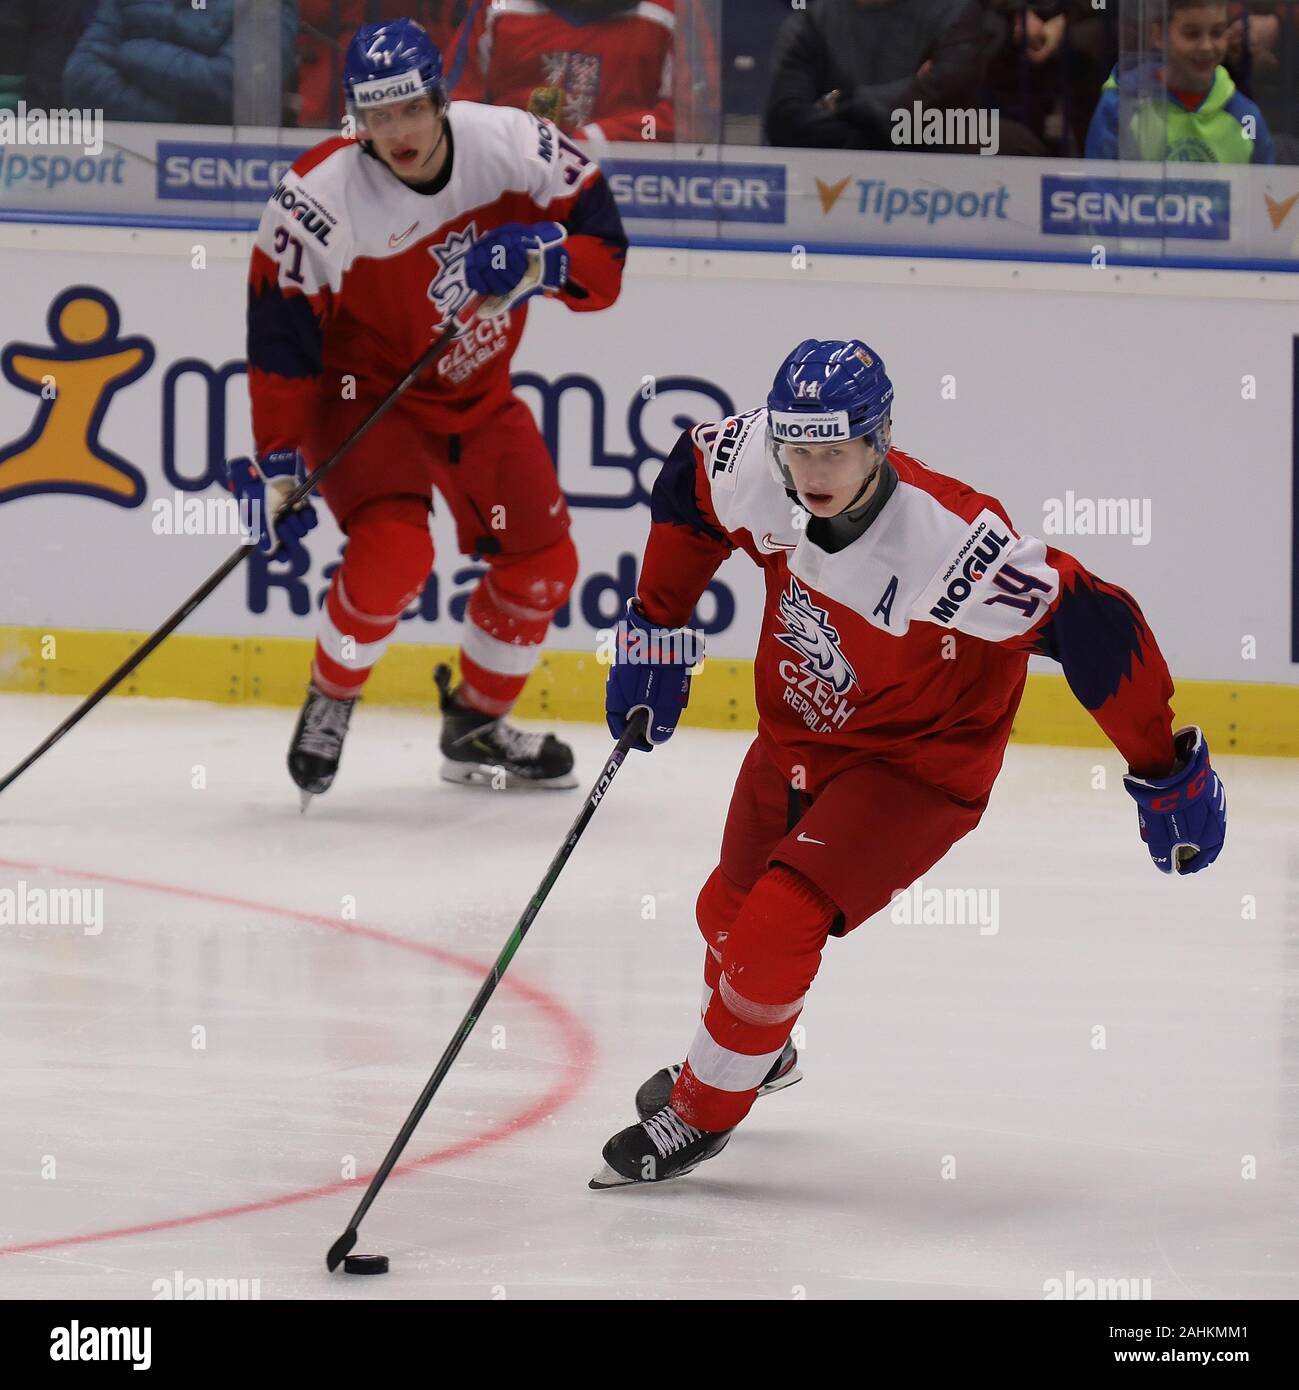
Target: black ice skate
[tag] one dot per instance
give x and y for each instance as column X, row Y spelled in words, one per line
column 481, row 750
column 318, row 743
column 657, row 1091
column 660, row 1147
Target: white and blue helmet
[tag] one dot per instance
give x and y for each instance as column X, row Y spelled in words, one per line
column 828, row 391
column 391, row 62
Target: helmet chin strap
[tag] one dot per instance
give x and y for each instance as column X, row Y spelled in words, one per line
column 442, row 139
column 870, row 478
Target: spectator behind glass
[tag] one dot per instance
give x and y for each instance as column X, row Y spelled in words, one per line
column 326, row 28
column 843, row 67
column 1197, row 114
column 1263, row 60
column 1046, row 77
column 35, row 40
column 163, row 60
column 600, row 69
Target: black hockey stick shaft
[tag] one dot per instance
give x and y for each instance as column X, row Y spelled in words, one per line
column 634, row 731
column 155, row 639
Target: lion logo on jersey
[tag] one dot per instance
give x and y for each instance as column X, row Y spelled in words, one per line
column 449, row 290
column 814, row 638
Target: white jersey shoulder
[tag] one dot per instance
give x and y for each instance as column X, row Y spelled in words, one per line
column 348, row 205
column 990, row 582
column 744, row 490
column 919, row 561
column 305, row 227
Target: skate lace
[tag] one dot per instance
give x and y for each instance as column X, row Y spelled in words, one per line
column 669, row 1131
column 516, row 744
column 325, row 726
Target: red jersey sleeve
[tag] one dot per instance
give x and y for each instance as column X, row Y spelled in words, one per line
column 567, row 186
column 292, row 282
column 1110, row 658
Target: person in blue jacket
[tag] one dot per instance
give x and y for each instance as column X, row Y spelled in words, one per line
column 164, row 60
column 1184, row 108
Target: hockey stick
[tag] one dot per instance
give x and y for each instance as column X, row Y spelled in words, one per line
column 435, row 349
column 635, row 730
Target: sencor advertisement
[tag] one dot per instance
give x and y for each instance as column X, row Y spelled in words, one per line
column 736, row 195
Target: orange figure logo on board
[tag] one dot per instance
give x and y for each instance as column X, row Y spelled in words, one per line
column 75, row 375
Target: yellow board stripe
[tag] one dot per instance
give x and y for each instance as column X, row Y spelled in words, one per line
column 1237, row 716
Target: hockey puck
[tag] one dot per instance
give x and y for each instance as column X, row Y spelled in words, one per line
column 366, row 1264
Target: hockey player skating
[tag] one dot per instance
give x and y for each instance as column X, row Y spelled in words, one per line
column 366, row 249
column 901, row 609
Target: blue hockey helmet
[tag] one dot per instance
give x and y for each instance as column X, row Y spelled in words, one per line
column 390, row 62
column 828, row 391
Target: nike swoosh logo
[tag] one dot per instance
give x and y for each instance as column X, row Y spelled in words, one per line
column 808, row 840
column 770, row 543
column 554, row 511
column 396, row 239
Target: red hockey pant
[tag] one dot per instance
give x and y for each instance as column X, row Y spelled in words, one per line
column 503, row 492
column 795, row 870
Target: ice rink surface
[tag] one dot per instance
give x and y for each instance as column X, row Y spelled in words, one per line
column 1096, row 1081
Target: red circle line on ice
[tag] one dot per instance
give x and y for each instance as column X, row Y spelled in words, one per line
column 578, row 1043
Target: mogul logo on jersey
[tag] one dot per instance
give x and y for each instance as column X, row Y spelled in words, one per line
column 792, row 426
column 734, row 432
column 224, row 173
column 1194, row 209
column 972, row 562
column 305, row 209
column 449, row 289
column 668, row 189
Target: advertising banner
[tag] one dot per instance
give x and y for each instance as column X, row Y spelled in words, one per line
column 902, row 202
column 124, row 391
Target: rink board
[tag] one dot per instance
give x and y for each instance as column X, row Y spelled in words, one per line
column 1163, row 401
column 1258, row 718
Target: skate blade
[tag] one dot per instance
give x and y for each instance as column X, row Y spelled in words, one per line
column 499, row 779
column 790, row 1078
column 606, row 1177
column 304, row 800
column 609, row 1177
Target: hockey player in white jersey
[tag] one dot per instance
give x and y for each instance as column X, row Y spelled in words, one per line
column 901, row 609
column 369, row 246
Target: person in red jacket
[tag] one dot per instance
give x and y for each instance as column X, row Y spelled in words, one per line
column 600, row 69
column 366, row 251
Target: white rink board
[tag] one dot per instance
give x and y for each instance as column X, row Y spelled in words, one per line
column 1098, row 384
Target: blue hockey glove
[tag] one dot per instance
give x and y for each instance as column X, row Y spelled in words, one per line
column 1183, row 817
column 651, row 670
column 263, row 487
column 498, row 261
